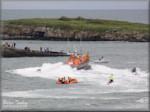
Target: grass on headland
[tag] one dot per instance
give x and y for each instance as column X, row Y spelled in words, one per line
column 82, row 24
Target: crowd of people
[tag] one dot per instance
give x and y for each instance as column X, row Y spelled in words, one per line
column 46, row 49
column 13, row 45
column 6, row 44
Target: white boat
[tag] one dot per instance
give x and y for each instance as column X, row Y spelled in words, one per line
column 101, row 61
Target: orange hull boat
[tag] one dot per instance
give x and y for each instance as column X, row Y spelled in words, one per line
column 74, row 82
column 78, row 61
column 66, row 82
column 63, row 83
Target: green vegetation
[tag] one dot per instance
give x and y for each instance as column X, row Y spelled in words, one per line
column 82, row 24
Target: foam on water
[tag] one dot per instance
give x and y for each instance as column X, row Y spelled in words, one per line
column 55, row 93
column 47, row 70
column 97, row 77
column 35, row 94
column 99, row 74
column 142, row 100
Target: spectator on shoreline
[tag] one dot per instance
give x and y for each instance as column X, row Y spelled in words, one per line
column 40, row 49
column 14, row 44
column 27, row 48
column 47, row 49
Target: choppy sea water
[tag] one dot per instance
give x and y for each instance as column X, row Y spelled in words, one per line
column 26, row 88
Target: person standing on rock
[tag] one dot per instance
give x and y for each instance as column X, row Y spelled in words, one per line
column 14, row 44
column 40, row 49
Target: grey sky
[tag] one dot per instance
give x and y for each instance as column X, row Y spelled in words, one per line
column 34, row 4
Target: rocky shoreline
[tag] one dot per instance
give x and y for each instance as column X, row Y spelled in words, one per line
column 15, row 52
column 21, row 32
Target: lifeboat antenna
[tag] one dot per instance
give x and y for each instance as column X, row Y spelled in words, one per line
column 69, row 45
column 81, row 45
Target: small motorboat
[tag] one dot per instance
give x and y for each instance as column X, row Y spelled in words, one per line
column 101, row 60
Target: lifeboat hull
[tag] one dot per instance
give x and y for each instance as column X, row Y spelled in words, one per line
column 74, row 82
column 82, row 66
column 68, row 82
column 80, row 61
column 62, row 83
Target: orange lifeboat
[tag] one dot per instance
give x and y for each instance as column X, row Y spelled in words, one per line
column 78, row 61
column 67, row 82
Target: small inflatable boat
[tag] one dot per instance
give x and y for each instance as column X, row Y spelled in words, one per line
column 66, row 82
column 101, row 60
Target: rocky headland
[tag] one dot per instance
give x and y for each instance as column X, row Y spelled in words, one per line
column 74, row 29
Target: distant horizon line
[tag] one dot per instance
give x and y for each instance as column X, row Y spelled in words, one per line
column 74, row 9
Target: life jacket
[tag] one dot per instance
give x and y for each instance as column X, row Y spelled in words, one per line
column 111, row 77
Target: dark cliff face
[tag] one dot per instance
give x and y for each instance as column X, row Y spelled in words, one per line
column 46, row 33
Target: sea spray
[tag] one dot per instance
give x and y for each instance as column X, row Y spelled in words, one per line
column 99, row 75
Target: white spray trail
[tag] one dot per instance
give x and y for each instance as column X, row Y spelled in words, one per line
column 98, row 76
